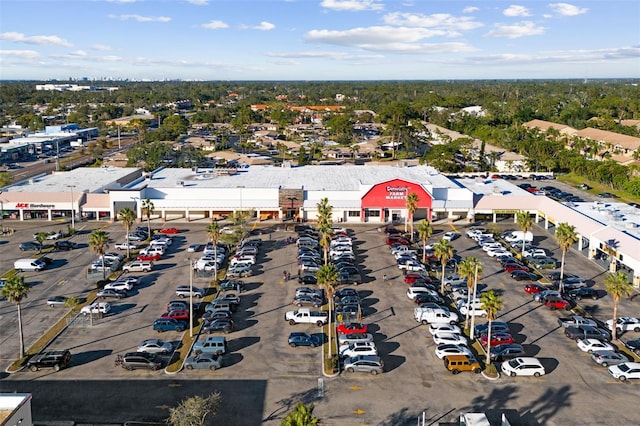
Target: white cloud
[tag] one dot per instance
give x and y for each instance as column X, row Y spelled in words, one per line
column 352, row 5
column 78, row 53
column 334, row 56
column 517, row 30
column 198, row 2
column 568, row 56
column 141, row 18
column 215, row 25
column 263, row 26
column 566, row 9
column 40, row 39
column 438, row 20
column 470, row 9
column 101, row 47
column 515, row 10
column 387, row 39
column 28, row 54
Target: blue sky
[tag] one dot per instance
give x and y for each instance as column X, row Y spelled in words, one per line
column 318, row 39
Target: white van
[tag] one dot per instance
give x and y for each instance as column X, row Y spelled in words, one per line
column 29, row 265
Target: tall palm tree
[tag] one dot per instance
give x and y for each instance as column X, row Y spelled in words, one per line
column 467, row 269
column 41, row 237
column 147, row 209
column 302, row 415
column 492, row 304
column 127, row 217
column 411, row 204
column 524, row 221
column 213, row 234
column 325, row 241
column 98, row 243
column 324, row 226
column 566, row 237
column 424, row 232
column 443, row 251
column 15, row 290
column 327, row 277
column 618, row 287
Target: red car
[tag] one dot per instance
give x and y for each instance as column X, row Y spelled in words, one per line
column 558, row 304
column 354, row 327
column 180, row 315
column 149, row 257
column 533, row 288
column 510, row 267
column 169, row 231
column 412, row 277
column 497, row 339
column 397, row 240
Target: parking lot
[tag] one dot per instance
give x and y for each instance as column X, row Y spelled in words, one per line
column 414, row 380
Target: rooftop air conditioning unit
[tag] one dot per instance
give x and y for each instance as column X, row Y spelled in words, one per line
column 180, row 183
column 631, row 225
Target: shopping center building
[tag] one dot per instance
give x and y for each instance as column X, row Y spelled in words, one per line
column 358, row 194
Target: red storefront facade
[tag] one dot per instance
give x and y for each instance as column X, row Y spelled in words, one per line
column 386, row 201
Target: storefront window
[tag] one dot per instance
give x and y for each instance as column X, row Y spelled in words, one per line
column 353, row 213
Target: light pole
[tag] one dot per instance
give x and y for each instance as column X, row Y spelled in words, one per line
column 1, row 215
column 241, row 216
column 73, row 211
column 119, row 147
column 473, row 312
column 190, row 298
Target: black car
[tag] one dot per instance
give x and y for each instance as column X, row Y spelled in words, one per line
column 307, row 279
column 29, row 245
column 50, row 359
column 586, row 332
column 522, row 275
column 426, row 298
column 64, row 245
column 633, row 345
column 507, row 351
column 212, row 316
column 344, row 292
column 555, row 276
column 110, row 293
column 583, row 293
column 222, row 324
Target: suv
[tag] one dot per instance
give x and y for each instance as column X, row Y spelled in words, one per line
column 138, row 266
column 169, row 324
column 134, row 360
column 186, row 291
column 364, row 363
column 458, row 363
column 64, row 245
column 50, row 359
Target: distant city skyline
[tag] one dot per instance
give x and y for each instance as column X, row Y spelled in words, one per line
column 318, row 39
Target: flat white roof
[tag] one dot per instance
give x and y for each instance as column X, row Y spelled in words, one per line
column 619, row 216
column 312, row 178
column 83, row 179
column 480, row 186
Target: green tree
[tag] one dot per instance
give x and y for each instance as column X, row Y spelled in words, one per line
column 213, row 234
column 324, row 222
column 443, row 251
column 618, row 287
column 127, row 217
column 147, row 210
column 195, row 410
column 327, row 277
column 411, row 204
column 15, row 290
column 566, row 237
column 524, row 221
column 425, row 230
column 492, row 304
column 41, row 237
column 301, row 415
column 467, row 269
column 98, row 243
column 5, row 179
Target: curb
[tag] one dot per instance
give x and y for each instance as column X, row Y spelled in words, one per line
column 491, row 378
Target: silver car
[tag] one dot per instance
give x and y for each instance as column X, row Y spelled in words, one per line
column 607, row 358
column 155, row 346
column 364, row 364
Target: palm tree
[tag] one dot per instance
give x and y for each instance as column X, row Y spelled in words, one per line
column 443, row 251
column 467, row 269
column 412, row 205
column 147, row 209
column 325, row 241
column 213, row 233
column 324, row 226
column 127, row 217
column 524, row 221
column 41, row 237
column 15, row 290
column 618, row 287
column 302, row 415
column 492, row 304
column 327, row 277
column 566, row 237
column 98, row 243
column 424, row 232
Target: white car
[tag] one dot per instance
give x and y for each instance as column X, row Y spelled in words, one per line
column 125, row 245
column 477, row 312
column 194, row 248
column 155, row 346
column 444, row 328
column 347, row 339
column 498, row 251
column 96, row 308
column 153, row 250
column 130, row 279
column 119, row 285
column 625, row 324
column 592, row 345
column 450, row 236
column 447, row 337
column 523, row 366
column 489, row 246
column 451, row 349
column 625, row 371
column 413, row 292
column 360, row 348
column 413, row 266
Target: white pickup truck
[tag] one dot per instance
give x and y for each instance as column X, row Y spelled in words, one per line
column 434, row 315
column 306, row 316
